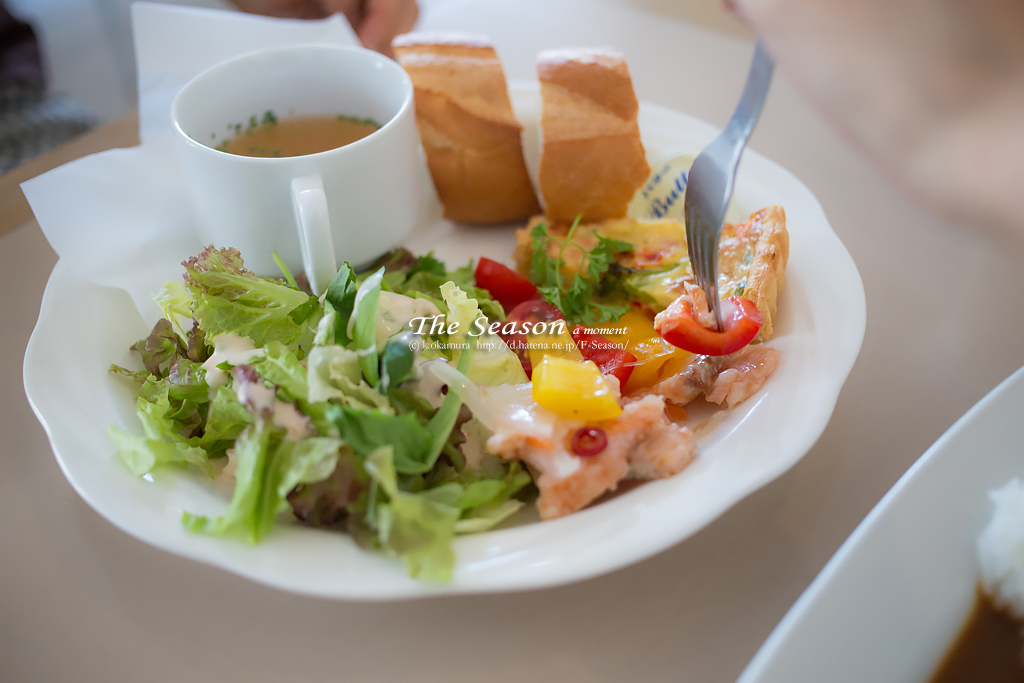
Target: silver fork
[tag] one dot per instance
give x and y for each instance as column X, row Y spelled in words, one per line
column 710, row 182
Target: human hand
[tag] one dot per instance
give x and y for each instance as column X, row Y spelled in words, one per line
column 933, row 91
column 376, row 22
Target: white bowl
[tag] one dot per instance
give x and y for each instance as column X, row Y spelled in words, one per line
column 891, row 601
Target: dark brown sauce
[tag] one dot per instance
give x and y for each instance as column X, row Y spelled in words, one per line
column 296, row 136
column 988, row 649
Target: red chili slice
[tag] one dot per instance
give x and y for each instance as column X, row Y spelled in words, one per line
column 507, row 286
column 610, row 358
column 741, row 322
column 589, row 441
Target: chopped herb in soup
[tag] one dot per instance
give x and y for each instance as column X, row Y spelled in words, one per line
column 295, row 135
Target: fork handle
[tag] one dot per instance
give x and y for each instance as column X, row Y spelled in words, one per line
column 741, row 125
column 735, row 136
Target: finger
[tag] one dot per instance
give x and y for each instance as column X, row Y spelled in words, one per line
column 385, row 19
column 733, row 8
column 352, row 9
column 290, row 9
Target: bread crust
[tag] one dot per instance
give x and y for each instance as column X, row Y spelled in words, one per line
column 592, row 160
column 469, row 132
column 768, row 267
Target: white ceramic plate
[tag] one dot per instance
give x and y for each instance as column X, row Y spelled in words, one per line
column 891, row 601
column 82, row 328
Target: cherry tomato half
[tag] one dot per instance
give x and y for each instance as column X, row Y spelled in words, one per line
column 507, row 286
column 533, row 311
column 611, row 358
column 741, row 322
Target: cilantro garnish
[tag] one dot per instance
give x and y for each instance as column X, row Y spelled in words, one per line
column 577, row 301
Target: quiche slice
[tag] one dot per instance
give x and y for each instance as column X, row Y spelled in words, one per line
column 752, row 264
column 752, row 258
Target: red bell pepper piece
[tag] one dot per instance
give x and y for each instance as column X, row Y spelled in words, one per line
column 741, row 322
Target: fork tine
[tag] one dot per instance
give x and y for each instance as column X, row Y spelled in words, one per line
column 712, row 259
column 710, row 255
column 701, row 273
column 706, row 247
column 709, row 185
column 702, row 251
column 697, row 262
column 710, row 252
column 703, row 258
column 692, row 246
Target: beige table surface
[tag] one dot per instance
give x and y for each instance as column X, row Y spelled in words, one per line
column 82, row 601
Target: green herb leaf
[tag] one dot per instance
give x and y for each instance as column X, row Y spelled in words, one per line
column 285, row 270
column 160, row 348
column 342, row 295
column 228, row 298
column 268, row 468
column 600, row 258
column 139, row 376
column 226, row 419
column 417, row 527
column 187, row 381
column 428, row 264
column 443, row 421
column 278, row 365
column 579, row 301
column 422, row 277
column 335, row 374
column 397, row 362
column 303, row 312
column 142, row 454
column 368, row 430
column 176, row 304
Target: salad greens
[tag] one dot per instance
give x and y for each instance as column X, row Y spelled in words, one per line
column 315, row 408
column 422, row 278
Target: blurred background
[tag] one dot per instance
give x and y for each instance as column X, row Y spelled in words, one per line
column 87, row 50
column 84, row 98
column 89, row 59
column 80, row 596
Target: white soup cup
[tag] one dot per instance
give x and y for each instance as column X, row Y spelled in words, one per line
column 351, row 203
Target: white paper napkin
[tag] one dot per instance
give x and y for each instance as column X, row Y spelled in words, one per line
column 123, row 218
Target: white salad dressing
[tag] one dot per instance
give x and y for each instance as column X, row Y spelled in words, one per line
column 499, row 408
column 430, row 386
column 230, row 348
column 256, row 395
column 395, row 311
column 288, row 417
column 237, row 350
column 262, row 398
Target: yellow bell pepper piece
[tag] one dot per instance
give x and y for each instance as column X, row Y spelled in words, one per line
column 556, row 345
column 573, row 389
column 656, row 360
